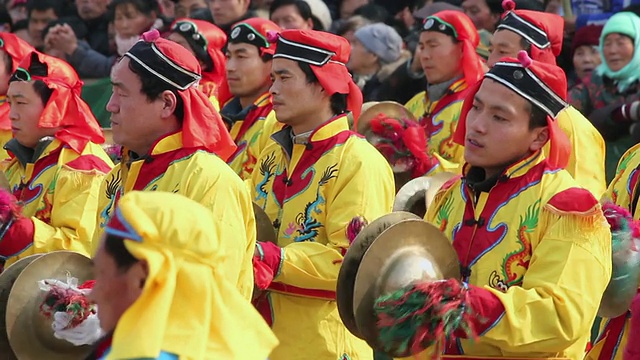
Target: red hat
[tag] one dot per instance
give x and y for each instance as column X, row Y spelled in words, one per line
column 17, row 49
column 327, row 55
column 255, row 31
column 202, row 126
column 65, row 108
column 587, row 35
column 460, row 27
column 544, row 31
column 542, row 84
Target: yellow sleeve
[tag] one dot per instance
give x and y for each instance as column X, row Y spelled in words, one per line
column 214, row 101
column 217, row 187
column 555, row 306
column 72, row 220
column 416, row 105
column 587, row 160
column 364, row 187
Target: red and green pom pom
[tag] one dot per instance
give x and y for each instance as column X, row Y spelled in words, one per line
column 421, row 315
column 71, row 301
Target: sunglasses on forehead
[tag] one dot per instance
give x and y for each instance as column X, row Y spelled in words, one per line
column 190, row 31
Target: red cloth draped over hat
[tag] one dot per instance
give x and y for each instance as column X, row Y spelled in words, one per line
column 554, row 78
column 467, row 34
column 65, row 109
column 17, row 49
column 202, row 126
column 332, row 76
column 216, row 41
column 550, row 24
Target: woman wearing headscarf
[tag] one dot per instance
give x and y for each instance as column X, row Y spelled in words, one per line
column 614, row 83
column 56, row 164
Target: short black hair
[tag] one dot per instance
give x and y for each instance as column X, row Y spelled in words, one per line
column 374, row 13
column 537, row 116
column 338, row 101
column 114, row 246
column 58, row 6
column 152, row 87
column 43, row 90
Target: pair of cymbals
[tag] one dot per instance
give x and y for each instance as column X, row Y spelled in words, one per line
column 392, row 252
column 25, row 333
column 417, row 195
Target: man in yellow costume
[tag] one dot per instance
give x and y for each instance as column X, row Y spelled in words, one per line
column 540, row 35
column 534, row 247
column 175, row 141
column 623, row 191
column 312, row 180
column 160, row 285
column 250, row 112
column 12, row 51
column 56, row 165
column 447, row 50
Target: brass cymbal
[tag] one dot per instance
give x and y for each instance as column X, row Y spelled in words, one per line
column 391, row 109
column 30, row 333
column 407, row 252
column 7, row 279
column 416, row 195
column 351, row 262
column 264, row 226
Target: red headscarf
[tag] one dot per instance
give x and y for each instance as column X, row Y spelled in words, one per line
column 331, row 69
column 199, row 33
column 65, row 108
column 17, row 49
column 202, row 126
column 467, row 34
column 526, row 22
column 516, row 72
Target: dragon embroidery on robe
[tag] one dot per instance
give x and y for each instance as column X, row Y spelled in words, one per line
column 519, row 258
column 267, row 170
column 306, row 224
column 111, row 192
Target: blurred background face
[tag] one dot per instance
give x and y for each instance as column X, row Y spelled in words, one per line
column 91, row 9
column 288, row 17
column 225, row 12
column 480, row 14
column 38, row 20
column 618, row 51
column 185, row 7
column 585, row 59
column 130, row 22
column 361, row 59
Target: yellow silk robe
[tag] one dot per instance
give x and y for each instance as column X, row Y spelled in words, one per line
column 440, row 119
column 198, row 175
column 586, row 163
column 541, row 246
column 613, row 332
column 248, row 133
column 311, row 195
column 58, row 192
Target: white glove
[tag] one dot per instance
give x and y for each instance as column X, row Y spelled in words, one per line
column 86, row 333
